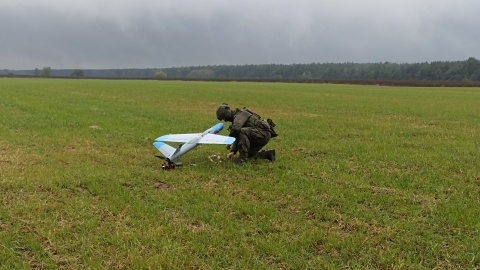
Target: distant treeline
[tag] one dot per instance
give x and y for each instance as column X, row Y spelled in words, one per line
column 467, row 71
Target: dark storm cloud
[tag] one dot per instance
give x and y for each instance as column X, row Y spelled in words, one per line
column 143, row 33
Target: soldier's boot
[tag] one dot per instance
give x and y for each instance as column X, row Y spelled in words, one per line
column 241, row 159
column 269, row 154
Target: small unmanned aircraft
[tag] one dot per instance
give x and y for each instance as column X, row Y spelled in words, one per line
column 187, row 143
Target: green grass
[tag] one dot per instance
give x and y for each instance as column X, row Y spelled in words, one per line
column 366, row 177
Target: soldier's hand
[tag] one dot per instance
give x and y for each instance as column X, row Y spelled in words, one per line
column 230, row 155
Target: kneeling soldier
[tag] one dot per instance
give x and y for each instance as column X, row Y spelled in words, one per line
column 250, row 131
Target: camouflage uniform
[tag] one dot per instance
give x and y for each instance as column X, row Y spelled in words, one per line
column 251, row 133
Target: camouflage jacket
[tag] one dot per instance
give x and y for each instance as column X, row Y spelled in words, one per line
column 244, row 118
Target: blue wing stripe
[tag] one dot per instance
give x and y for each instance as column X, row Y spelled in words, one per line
column 163, row 138
column 230, row 140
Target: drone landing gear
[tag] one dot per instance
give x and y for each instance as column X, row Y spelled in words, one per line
column 168, row 165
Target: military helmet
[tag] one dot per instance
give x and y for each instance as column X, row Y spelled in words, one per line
column 222, row 111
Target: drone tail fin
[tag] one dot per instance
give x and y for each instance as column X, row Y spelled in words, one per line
column 165, row 149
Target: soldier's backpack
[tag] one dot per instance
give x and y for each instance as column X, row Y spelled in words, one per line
column 272, row 128
column 270, row 122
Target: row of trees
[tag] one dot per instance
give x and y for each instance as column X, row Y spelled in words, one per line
column 44, row 72
column 468, row 70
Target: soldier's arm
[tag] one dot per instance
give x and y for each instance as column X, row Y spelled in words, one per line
column 234, row 147
column 239, row 121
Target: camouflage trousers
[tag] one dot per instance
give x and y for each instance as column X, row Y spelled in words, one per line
column 250, row 141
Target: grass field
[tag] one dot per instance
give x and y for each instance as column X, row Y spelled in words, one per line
column 366, row 177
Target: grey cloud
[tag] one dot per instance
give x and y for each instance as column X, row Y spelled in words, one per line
column 120, row 34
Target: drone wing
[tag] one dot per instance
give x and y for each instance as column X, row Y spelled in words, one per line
column 179, row 138
column 216, row 139
column 206, row 139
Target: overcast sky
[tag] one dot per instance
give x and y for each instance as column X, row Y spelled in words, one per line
column 173, row 33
